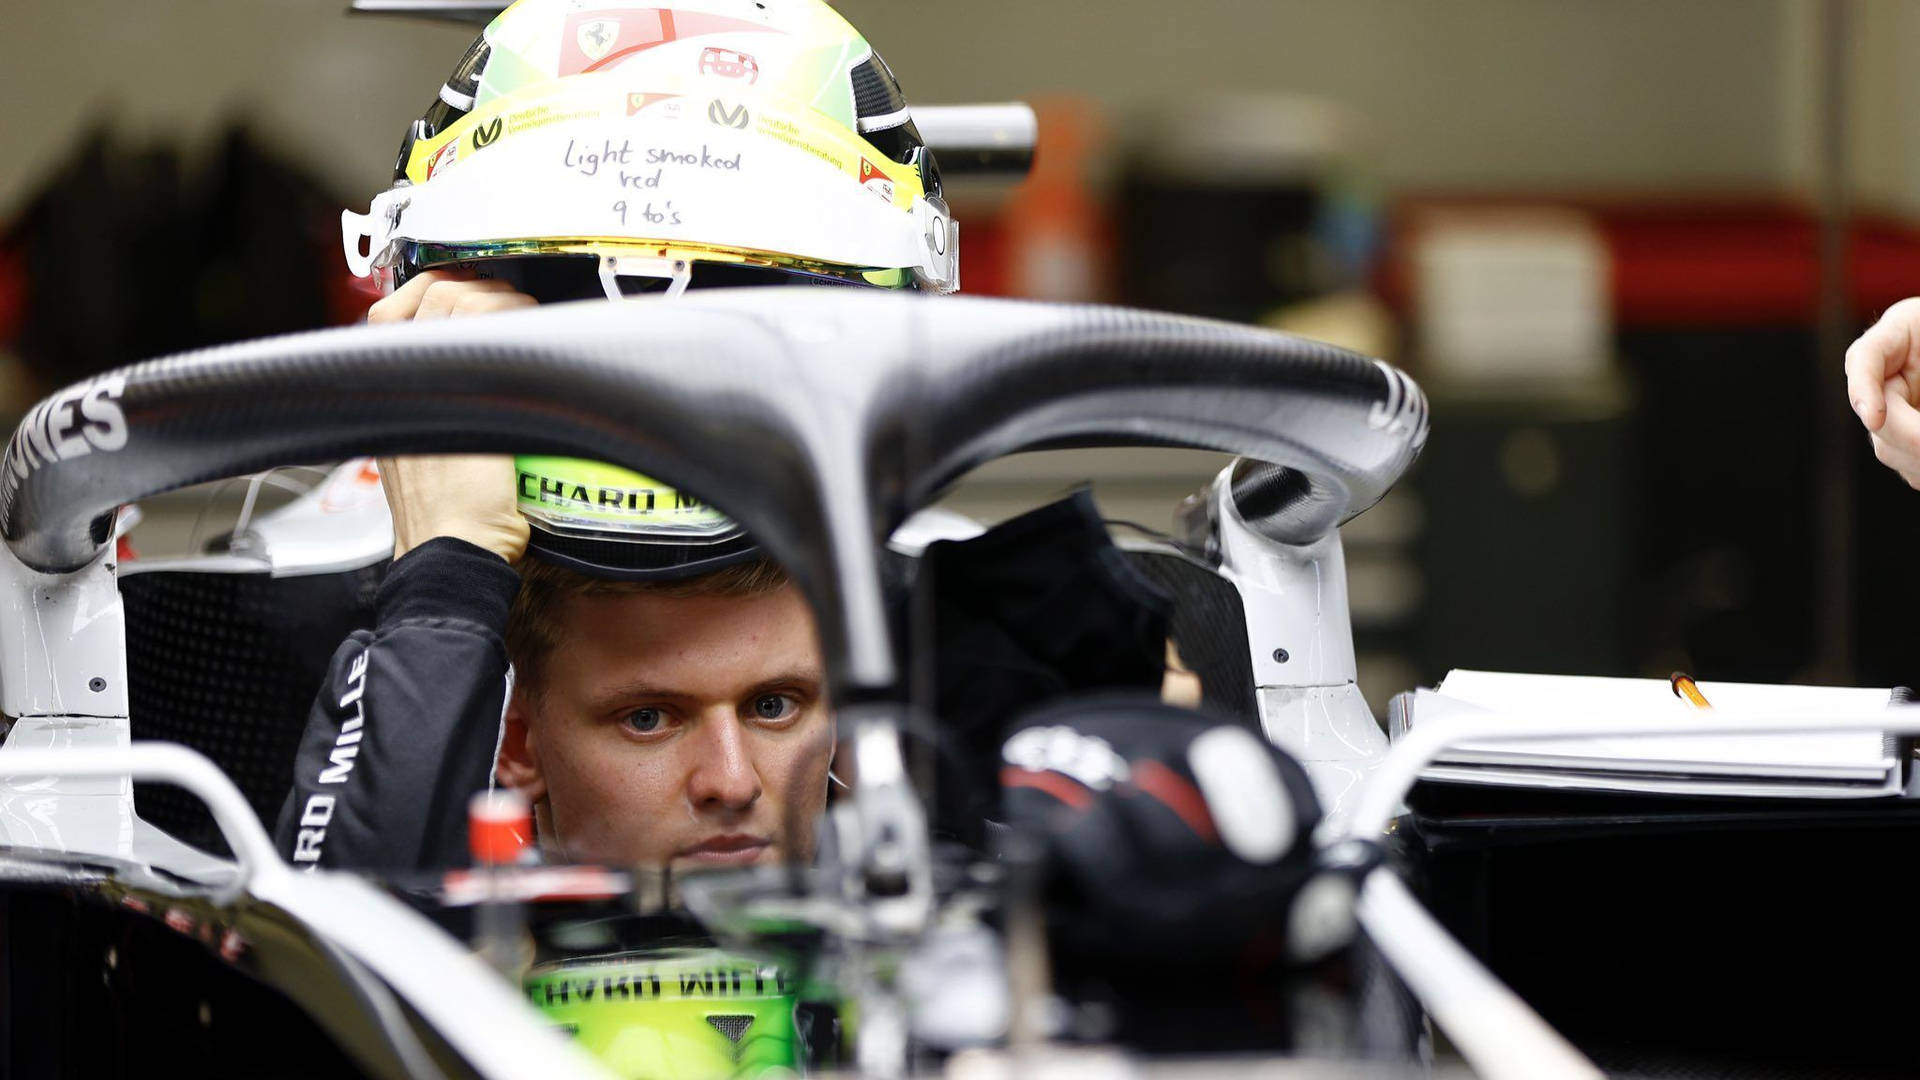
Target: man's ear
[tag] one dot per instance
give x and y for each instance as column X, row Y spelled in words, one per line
column 518, row 765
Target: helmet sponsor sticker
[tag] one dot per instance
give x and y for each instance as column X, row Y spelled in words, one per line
column 484, row 135
column 634, row 500
column 728, row 64
column 733, row 116
column 595, row 37
column 790, row 133
column 637, row 102
column 568, row 493
column 876, row 181
column 539, row 116
column 602, row 40
column 443, row 157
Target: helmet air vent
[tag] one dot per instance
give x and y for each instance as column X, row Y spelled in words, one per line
column 877, row 99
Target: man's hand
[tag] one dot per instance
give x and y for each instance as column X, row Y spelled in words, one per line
column 466, row 496
column 1883, row 385
column 441, row 294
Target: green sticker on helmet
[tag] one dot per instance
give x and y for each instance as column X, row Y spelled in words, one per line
column 574, row 496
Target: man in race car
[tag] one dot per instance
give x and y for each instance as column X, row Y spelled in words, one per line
column 667, row 704
column 668, row 715
column 623, row 654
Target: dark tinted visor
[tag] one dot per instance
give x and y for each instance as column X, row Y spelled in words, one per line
column 557, row 278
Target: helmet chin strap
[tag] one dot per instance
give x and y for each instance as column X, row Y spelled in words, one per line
column 677, row 272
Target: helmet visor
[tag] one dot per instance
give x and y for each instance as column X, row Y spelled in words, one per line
column 558, row 272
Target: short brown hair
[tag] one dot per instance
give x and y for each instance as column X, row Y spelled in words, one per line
column 533, row 625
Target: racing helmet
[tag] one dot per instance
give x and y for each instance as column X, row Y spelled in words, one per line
column 584, row 149
column 601, row 149
column 608, row 522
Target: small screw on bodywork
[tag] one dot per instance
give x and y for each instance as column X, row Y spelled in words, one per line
column 1280, row 656
column 96, row 684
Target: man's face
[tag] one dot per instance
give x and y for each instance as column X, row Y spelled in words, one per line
column 684, row 730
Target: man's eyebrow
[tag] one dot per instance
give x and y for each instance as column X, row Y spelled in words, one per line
column 811, row 678
column 638, row 688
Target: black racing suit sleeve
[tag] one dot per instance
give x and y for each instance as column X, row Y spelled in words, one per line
column 405, row 728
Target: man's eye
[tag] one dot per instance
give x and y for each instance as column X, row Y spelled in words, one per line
column 646, row 721
column 775, row 707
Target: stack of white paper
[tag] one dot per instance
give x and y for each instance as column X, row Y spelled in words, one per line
column 1847, row 764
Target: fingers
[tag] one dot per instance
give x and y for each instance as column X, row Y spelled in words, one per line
column 440, row 294
column 1897, row 443
column 400, row 305
column 1884, row 352
column 450, row 299
column 467, row 496
column 1900, row 461
column 1865, row 374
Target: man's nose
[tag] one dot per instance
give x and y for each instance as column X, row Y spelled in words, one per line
column 723, row 776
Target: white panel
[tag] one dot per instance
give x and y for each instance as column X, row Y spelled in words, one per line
column 58, row 635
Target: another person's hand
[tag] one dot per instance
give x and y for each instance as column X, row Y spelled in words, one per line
column 1883, row 385
column 466, row 496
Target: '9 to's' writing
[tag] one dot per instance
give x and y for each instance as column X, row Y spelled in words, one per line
column 666, row 215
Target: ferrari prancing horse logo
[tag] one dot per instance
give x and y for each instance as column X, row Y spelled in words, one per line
column 596, row 37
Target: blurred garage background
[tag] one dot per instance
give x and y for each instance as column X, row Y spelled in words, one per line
column 1622, row 244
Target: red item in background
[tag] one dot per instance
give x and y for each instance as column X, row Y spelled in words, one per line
column 499, row 827
column 1055, row 234
column 349, row 297
column 1689, row 266
column 1731, row 262
column 983, row 248
column 13, row 291
column 1883, row 263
